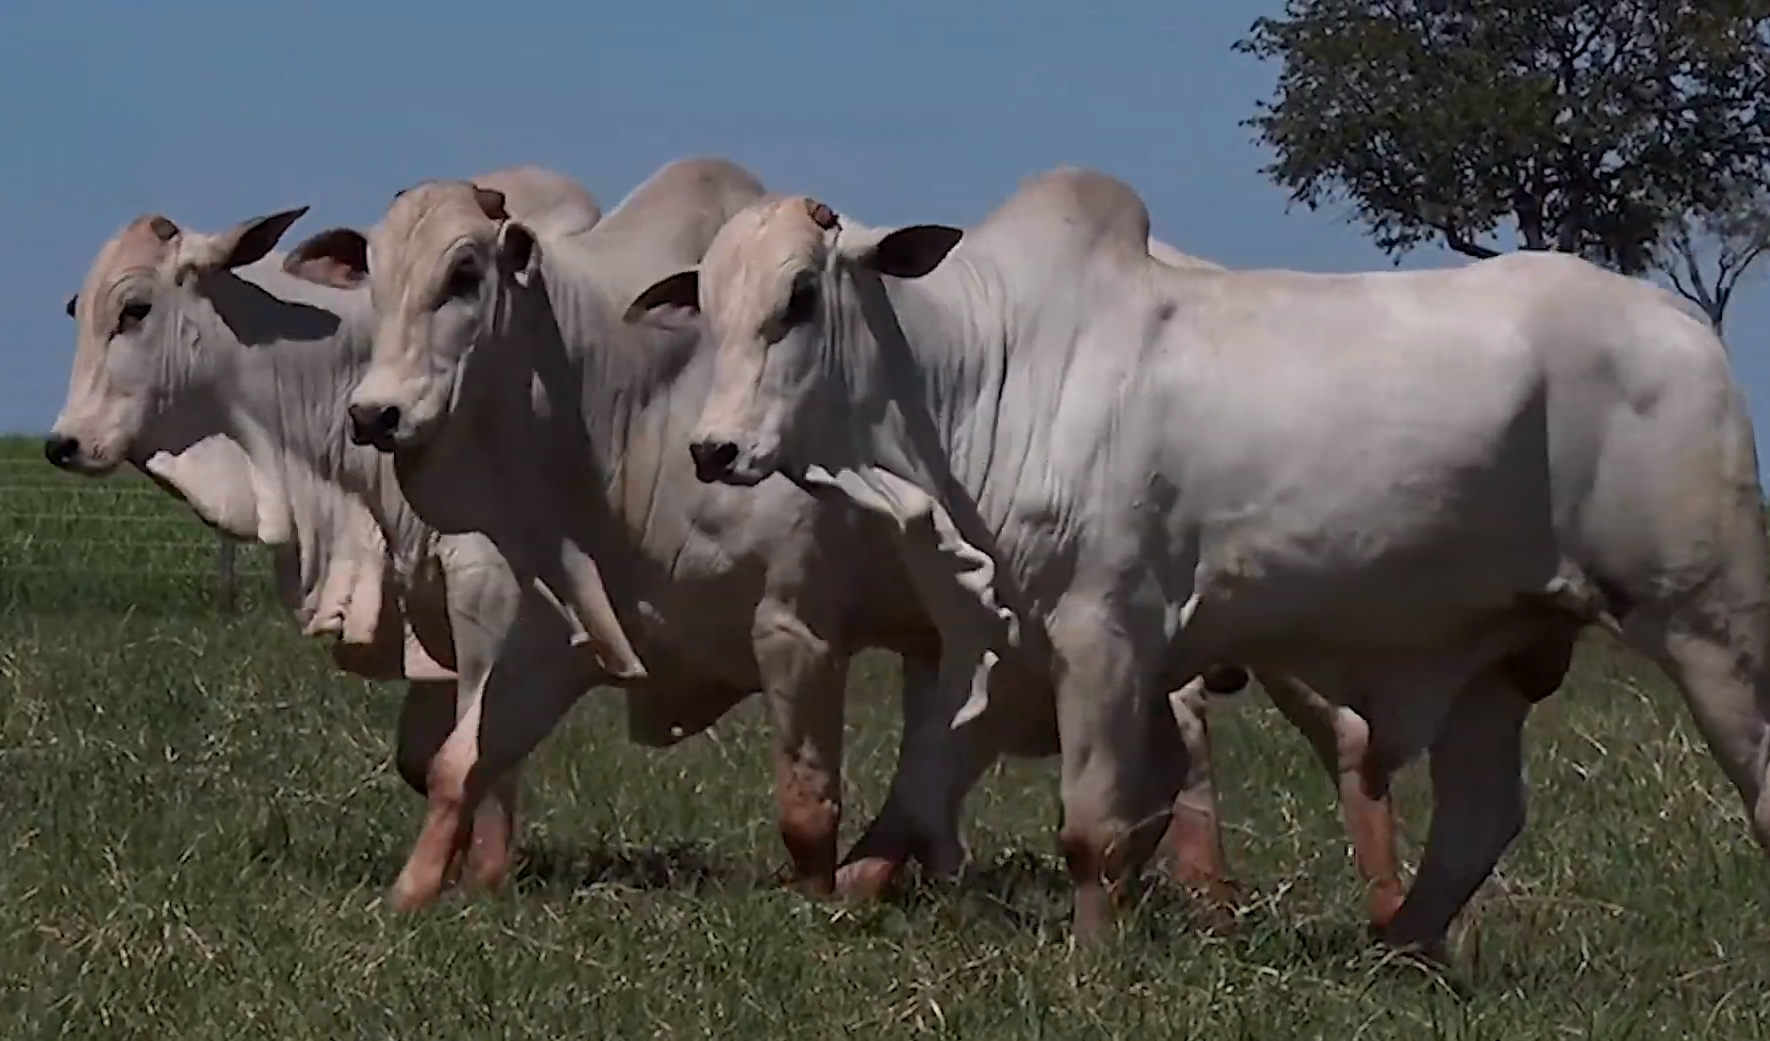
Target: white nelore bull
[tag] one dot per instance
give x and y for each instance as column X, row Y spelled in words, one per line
column 222, row 371
column 1411, row 489
column 519, row 403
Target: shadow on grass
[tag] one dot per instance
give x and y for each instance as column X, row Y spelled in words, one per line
column 1023, row 892
column 540, row 869
column 1029, row 893
column 683, row 867
column 1019, row 892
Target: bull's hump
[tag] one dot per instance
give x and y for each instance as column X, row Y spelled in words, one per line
column 1078, row 208
column 551, row 203
column 698, row 182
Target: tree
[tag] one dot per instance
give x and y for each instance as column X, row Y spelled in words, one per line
column 1706, row 255
column 1599, row 127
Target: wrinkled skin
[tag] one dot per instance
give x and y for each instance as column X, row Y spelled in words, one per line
column 458, row 296
column 1121, row 472
column 251, row 437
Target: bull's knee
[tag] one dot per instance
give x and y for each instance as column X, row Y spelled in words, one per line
column 445, row 783
column 1096, row 851
column 1095, row 854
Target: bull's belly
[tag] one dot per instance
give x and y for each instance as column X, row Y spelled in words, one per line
column 1423, row 594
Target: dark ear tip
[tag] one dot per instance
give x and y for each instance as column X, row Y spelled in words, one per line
column 633, row 313
column 287, row 217
column 492, row 203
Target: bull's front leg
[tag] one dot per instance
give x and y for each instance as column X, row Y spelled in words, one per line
column 936, row 767
column 803, row 680
column 427, row 717
column 514, row 650
column 1123, row 759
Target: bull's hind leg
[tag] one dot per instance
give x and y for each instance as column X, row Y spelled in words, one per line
column 1478, row 809
column 1340, row 739
column 1717, row 659
column 1195, row 833
column 803, row 679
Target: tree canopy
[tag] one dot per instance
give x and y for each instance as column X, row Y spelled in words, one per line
column 1616, row 129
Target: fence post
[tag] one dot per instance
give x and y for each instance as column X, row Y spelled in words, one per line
column 226, row 581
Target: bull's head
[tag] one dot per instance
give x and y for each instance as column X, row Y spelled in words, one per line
column 446, row 261
column 771, row 288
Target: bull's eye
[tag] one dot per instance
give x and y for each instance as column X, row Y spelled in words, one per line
column 800, row 304
column 133, row 314
column 464, row 279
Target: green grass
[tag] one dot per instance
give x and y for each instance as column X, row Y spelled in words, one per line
column 198, row 819
column 71, row 543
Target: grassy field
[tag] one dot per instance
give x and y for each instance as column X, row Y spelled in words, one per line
column 198, row 820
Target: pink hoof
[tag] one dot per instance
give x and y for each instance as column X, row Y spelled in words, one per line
column 408, row 896
column 867, row 878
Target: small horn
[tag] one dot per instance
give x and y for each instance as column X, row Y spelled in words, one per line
column 821, row 215
column 491, row 200
column 163, row 229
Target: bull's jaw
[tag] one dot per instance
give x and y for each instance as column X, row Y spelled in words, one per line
column 88, row 466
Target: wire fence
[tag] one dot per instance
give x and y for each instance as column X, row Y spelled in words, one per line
column 119, row 542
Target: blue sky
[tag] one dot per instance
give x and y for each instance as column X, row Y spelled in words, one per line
column 912, row 110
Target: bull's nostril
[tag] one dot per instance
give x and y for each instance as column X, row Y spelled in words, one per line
column 712, row 458
column 370, row 424
column 61, row 451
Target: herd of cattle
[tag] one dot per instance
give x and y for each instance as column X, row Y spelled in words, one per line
column 718, row 441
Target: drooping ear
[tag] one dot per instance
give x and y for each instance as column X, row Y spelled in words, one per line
column 913, row 251
column 337, row 257
column 518, row 251
column 671, row 302
column 242, row 244
column 73, row 302
column 491, row 202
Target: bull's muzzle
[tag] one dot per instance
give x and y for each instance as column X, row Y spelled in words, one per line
column 61, row 452
column 374, row 425
column 713, row 459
